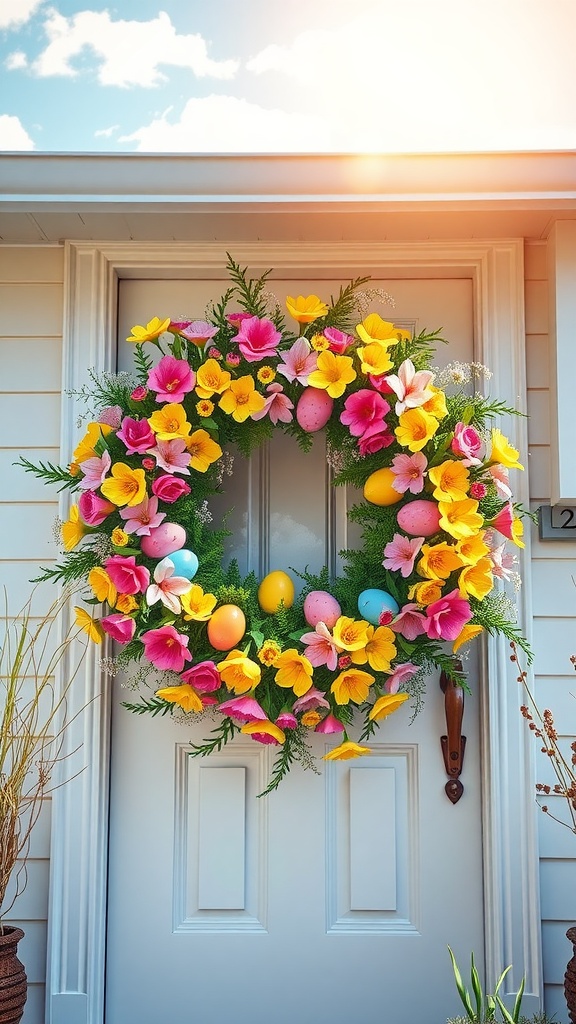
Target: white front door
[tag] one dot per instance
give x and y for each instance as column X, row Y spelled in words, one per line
column 334, row 898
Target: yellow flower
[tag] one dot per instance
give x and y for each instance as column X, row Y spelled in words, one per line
column 310, row 719
column 451, row 480
column 438, row 561
column 269, row 652
column 350, row 634
column 346, row 751
column 460, row 518
column 238, row 672
column 472, row 549
column 332, row 374
column 374, row 328
column 476, row 580
column 352, row 685
column 184, row 695
column 102, row 586
column 73, row 529
column 203, row 449
column 170, row 422
column 436, row 406
column 196, row 604
column 211, row 379
column 126, row 486
column 517, row 530
column 379, row 651
column 154, row 328
column 74, row 469
column 319, row 343
column 503, row 452
column 425, row 593
column 375, row 359
column 468, row 632
column 205, row 407
column 266, row 374
column 266, row 727
column 306, row 309
column 86, row 448
column 415, row 428
column 386, row 705
column 126, row 603
column 294, row 671
column 241, row 399
column 85, row 621
column 119, row 537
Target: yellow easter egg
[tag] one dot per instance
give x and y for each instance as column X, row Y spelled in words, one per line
column 226, row 627
column 275, row 587
column 378, row 488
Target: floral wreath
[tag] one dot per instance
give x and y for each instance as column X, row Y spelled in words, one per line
column 436, row 515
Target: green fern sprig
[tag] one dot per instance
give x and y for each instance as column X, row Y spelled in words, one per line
column 76, row 567
column 49, row 473
column 248, row 290
column 143, row 363
column 223, row 733
column 341, row 311
column 154, row 706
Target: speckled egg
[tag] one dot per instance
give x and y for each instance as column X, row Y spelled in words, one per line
column 275, row 588
column 320, row 606
column 185, row 563
column 371, row 604
column 314, row 409
column 419, row 518
column 163, row 540
column 226, row 627
column 378, row 489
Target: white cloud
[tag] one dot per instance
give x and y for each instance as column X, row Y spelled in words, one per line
column 105, row 133
column 15, row 61
column 13, row 135
column 127, row 52
column 17, row 12
column 226, row 124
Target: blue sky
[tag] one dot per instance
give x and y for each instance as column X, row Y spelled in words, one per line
column 287, row 75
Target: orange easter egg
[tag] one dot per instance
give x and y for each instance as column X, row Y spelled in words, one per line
column 275, row 587
column 226, row 627
column 378, row 488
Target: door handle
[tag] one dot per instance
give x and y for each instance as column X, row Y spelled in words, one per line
column 454, row 744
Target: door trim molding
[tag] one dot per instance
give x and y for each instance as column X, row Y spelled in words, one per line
column 78, row 866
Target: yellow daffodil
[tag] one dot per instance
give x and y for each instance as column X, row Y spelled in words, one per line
column 294, row 671
column 269, row 652
column 415, row 428
column 85, row 621
column 375, row 359
column 154, row 328
column 350, row 634
column 386, row 705
column 102, row 586
column 266, row 728
column 374, row 328
column 126, row 603
column 425, row 593
column 352, row 685
column 310, row 719
column 86, row 448
column 170, row 422
column 438, row 561
column 238, row 672
column 306, row 309
column 203, row 450
column 241, row 399
column 73, row 529
column 184, row 695
column 126, row 486
column 436, row 406
column 346, row 751
column 472, row 549
column 502, row 451
column 379, row 651
column 476, row 580
column 468, row 632
column 332, row 374
column 119, row 537
column 211, row 379
column 451, row 480
column 196, row 605
column 460, row 518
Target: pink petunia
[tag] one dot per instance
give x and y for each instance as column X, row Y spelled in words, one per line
column 446, row 617
column 400, row 553
column 500, row 479
column 278, row 406
column 236, row 318
column 380, row 384
column 141, row 519
column 299, row 362
column 410, row 622
column 257, row 339
column 171, row 379
column 95, row 471
column 329, row 725
column 312, row 699
column 120, row 627
column 409, row 472
column 321, row 648
column 286, row 720
column 374, row 440
column 127, row 577
column 339, row 340
column 410, row 386
column 199, row 332
column 137, row 435
column 468, row 443
column 170, row 488
column 111, row 415
column 94, row 509
column 243, row 709
column 363, row 410
column 139, row 393
column 172, row 456
column 204, row 677
column 165, row 648
column 167, row 587
column 400, row 675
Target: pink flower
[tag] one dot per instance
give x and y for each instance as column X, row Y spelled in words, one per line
column 329, row 724
column 171, row 379
column 204, row 677
column 502, row 562
column 399, row 676
column 172, row 456
column 411, row 386
column 166, row 649
column 142, row 518
column 139, row 393
column 344, row 661
column 363, row 410
column 500, row 479
column 257, row 339
column 243, row 709
column 478, row 490
column 167, row 587
column 385, row 618
column 400, row 553
column 312, row 699
column 111, row 415
column 409, row 472
column 380, row 384
column 148, row 464
column 199, row 332
column 137, row 435
column 232, row 359
column 299, row 362
column 446, row 617
column 339, row 341
column 374, row 440
column 170, row 488
column 120, row 627
column 286, row 720
column 127, row 577
column 94, row 509
column 95, row 470
column 410, row 622
column 236, row 318
column 179, row 325
column 278, row 406
column 214, row 353
column 467, row 442
column 321, row 649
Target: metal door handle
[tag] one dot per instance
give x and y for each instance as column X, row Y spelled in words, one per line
column 454, row 744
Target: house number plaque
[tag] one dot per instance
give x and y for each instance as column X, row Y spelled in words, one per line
column 557, row 522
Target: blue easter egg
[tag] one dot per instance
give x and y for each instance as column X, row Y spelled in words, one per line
column 185, row 563
column 371, row 604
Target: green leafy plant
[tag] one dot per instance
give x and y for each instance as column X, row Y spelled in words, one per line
column 485, row 1005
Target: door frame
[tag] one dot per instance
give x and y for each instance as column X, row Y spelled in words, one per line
column 80, row 823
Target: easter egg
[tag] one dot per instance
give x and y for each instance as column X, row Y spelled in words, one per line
column 275, row 587
column 371, row 604
column 226, row 627
column 419, row 518
column 163, row 540
column 320, row 606
column 314, row 409
column 378, row 488
column 185, row 563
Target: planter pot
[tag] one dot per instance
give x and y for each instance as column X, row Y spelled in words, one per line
column 570, row 978
column 13, row 984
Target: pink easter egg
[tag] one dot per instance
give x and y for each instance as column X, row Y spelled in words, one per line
column 314, row 409
column 320, row 606
column 165, row 539
column 419, row 518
